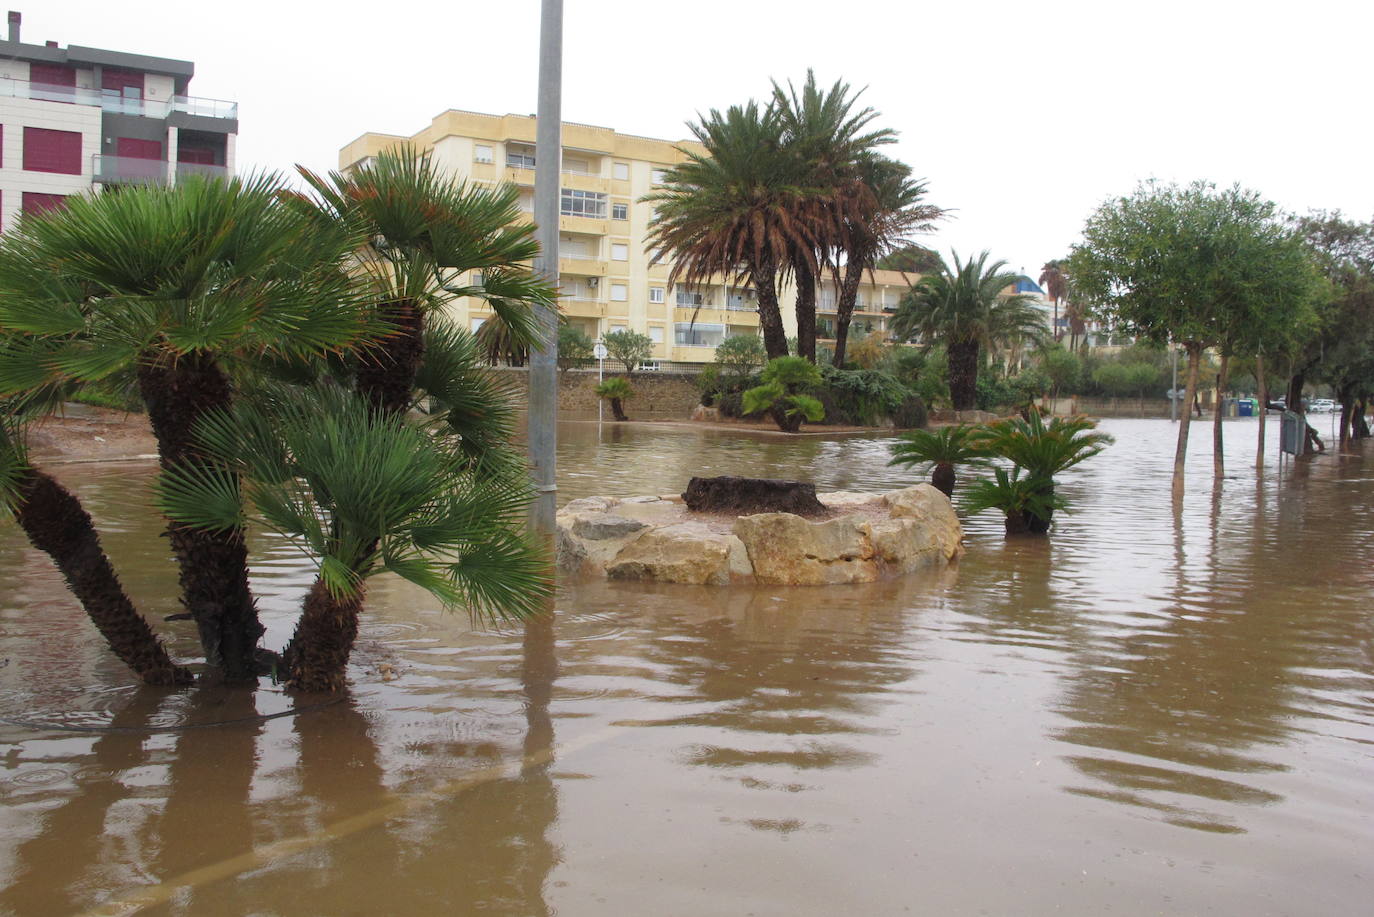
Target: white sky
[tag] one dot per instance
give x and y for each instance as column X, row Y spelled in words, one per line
column 1023, row 116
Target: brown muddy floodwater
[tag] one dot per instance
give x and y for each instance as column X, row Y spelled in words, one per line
column 1149, row 713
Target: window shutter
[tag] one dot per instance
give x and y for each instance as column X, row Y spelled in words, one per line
column 52, row 151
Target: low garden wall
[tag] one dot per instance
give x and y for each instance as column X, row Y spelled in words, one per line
column 658, row 393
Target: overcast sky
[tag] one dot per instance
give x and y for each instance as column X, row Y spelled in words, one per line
column 1022, row 116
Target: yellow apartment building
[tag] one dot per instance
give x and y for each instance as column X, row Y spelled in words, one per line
column 609, row 280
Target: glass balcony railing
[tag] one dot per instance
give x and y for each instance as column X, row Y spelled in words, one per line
column 111, row 101
column 185, row 169
column 128, row 170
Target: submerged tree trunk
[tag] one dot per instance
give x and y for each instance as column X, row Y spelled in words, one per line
column 317, row 657
column 213, row 565
column 618, row 409
column 387, row 370
column 770, row 315
column 787, row 423
column 942, row 478
column 1347, row 397
column 806, row 311
column 1218, row 454
column 56, row 523
column 963, row 374
column 1263, row 409
column 849, row 295
column 1185, row 420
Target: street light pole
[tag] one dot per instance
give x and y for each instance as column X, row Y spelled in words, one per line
column 548, row 148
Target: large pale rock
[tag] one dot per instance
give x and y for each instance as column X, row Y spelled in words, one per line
column 586, row 542
column 601, row 526
column 848, row 499
column 786, row 550
column 686, row 553
column 936, row 535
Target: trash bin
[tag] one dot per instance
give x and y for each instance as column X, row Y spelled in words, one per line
column 1246, row 407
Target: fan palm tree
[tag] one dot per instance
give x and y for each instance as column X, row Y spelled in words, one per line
column 967, row 309
column 743, row 210
column 178, row 285
column 942, row 448
column 363, row 492
column 427, row 237
column 617, row 391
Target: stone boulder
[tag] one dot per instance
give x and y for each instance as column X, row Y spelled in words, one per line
column 787, row 550
column 683, row 553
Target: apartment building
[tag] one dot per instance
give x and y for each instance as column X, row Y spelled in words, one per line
column 77, row 119
column 610, row 279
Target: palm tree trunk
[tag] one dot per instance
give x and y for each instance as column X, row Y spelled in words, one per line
column 316, row 659
column 1346, row 394
column 943, row 479
column 1185, row 420
column 213, row 565
column 963, row 374
column 386, row 372
column 786, row 423
column 57, row 524
column 849, row 294
column 1263, row 409
column 1218, row 453
column 618, row 409
column 770, row 315
column 806, row 310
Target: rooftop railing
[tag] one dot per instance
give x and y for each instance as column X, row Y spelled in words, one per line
column 111, row 101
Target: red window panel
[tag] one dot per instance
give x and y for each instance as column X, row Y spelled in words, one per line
column 52, row 74
column 133, row 148
column 52, row 151
column 199, row 155
column 35, row 202
column 120, row 80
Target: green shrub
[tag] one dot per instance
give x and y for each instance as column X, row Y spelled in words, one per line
column 863, row 396
column 911, row 414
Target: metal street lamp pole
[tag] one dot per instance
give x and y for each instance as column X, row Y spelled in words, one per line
column 543, row 402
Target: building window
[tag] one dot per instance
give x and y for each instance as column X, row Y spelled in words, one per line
column 475, row 323
column 656, row 334
column 660, row 176
column 590, row 204
column 618, row 327
column 52, row 151
column 520, row 157
column 481, row 153
column 655, row 294
column 619, row 292
column 38, row 202
column 655, row 255
column 689, row 299
column 698, row 335
column 620, row 171
column 620, row 211
column 620, row 251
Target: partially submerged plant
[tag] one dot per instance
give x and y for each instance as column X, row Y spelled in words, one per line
column 783, row 380
column 617, row 390
column 1024, row 500
column 943, row 448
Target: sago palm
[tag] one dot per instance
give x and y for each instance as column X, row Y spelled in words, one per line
column 967, row 309
column 362, row 492
column 177, row 285
column 942, row 448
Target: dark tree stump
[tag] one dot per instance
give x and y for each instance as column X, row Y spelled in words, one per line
column 744, row 496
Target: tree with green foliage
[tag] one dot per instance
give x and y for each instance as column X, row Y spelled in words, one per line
column 942, row 448
column 629, row 347
column 967, row 309
column 781, row 393
column 1062, row 368
column 1055, row 281
column 575, row 349
column 1192, row 265
column 617, row 390
column 910, row 259
column 739, row 356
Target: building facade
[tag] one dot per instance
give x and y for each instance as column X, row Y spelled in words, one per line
column 610, row 280
column 76, row 119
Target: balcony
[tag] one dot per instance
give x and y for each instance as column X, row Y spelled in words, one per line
column 128, row 170
column 582, row 308
column 110, row 101
column 582, row 266
column 205, row 170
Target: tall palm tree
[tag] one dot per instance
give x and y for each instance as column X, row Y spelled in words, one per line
column 967, row 309
column 179, row 285
column 1055, row 281
column 741, row 210
column 886, row 209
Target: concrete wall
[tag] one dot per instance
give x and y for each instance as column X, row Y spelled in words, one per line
column 658, row 393
column 1117, row 407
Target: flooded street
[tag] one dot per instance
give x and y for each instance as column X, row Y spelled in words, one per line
column 1151, row 712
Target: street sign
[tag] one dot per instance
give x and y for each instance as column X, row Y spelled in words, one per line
column 600, row 351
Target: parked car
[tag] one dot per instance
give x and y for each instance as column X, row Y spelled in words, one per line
column 1322, row 406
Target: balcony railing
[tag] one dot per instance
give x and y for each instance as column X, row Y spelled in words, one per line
column 185, row 169
column 128, row 170
column 111, row 101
